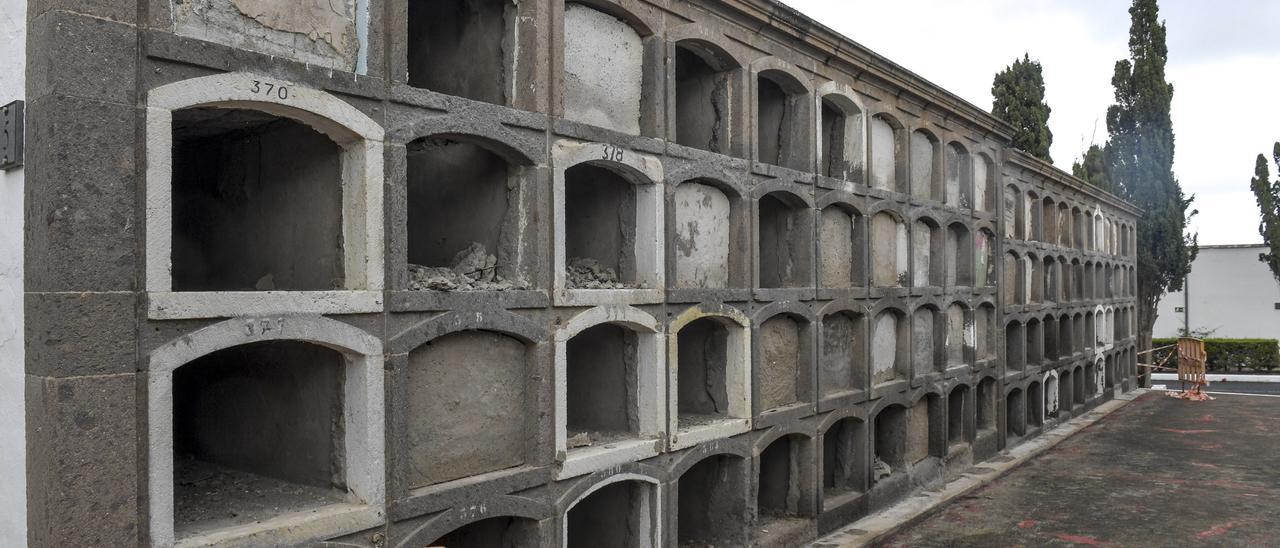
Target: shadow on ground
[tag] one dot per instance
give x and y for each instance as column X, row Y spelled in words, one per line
column 1157, row 472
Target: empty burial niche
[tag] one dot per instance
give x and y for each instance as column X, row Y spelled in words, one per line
column 984, row 258
column 891, row 442
column 890, row 250
column 842, row 244
column 257, row 203
column 457, row 47
column 778, row 491
column 959, row 256
column 1012, row 288
column 466, row 407
column 501, row 531
column 705, row 246
column 603, row 70
column 959, row 177
column 703, row 365
column 955, row 416
column 782, row 120
column 600, row 229
column 1035, row 405
column 619, row 514
column 1015, row 354
column 926, row 169
column 985, row 332
column 918, row 429
column 986, row 407
column 463, row 217
column 843, row 469
column 841, row 138
column 890, row 348
column 984, row 189
column 257, row 432
column 711, row 503
column 778, row 382
column 843, row 358
column 1015, row 414
column 1065, row 388
column 602, row 393
column 1078, row 382
column 929, row 254
column 785, row 227
column 703, row 80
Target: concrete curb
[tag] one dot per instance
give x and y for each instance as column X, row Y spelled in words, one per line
column 875, row 527
column 1218, row 377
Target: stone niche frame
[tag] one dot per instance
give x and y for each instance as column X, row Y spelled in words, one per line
column 737, row 376
column 651, row 516
column 854, row 145
column 651, row 392
column 538, row 457
column 363, row 447
column 644, row 172
column 806, row 374
column 696, row 37
column 728, row 180
column 361, row 141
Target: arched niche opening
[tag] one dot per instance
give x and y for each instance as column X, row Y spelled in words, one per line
column 984, row 257
column 1014, row 216
column 623, row 513
column 1015, row 355
column 1035, row 338
column 1064, row 225
column 920, row 420
column 465, row 226
column 708, row 230
column 985, row 326
column 1078, row 333
column 1012, row 288
column 602, row 398
column 1015, row 416
column 844, row 466
column 785, row 228
column 890, row 347
column 959, row 177
column 890, row 251
column 462, row 47
column 842, row 145
column 257, row 433
column 1065, row 337
column 1066, row 385
column 782, row 368
column 479, row 375
column 782, row 120
column 1078, row 229
column 1079, row 380
column 926, row 167
column 928, row 340
column 928, row 249
column 781, row 483
column 1050, row 344
column 985, row 414
column 984, row 184
column 1049, row 293
column 888, row 161
column 711, row 504
column 959, row 256
column 961, row 335
column 1049, row 221
column 709, row 359
column 842, row 245
column 704, row 91
column 1035, row 223
column 1051, row 395
column 890, row 442
column 957, row 406
column 602, row 230
column 257, row 203
column 506, row 531
column 842, row 361
column 604, row 70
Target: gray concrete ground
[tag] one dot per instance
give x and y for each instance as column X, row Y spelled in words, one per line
column 1157, row 472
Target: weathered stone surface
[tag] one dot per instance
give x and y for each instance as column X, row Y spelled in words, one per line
column 311, row 31
column 702, row 237
column 779, row 377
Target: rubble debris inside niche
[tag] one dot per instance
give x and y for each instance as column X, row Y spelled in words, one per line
column 473, row 269
column 584, row 273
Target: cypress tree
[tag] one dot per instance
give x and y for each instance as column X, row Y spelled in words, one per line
column 1268, row 196
column 1018, row 93
column 1140, row 164
column 1093, row 168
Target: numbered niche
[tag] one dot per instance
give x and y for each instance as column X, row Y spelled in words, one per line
column 259, row 185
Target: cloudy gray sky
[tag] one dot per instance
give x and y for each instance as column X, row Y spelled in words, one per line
column 1224, row 63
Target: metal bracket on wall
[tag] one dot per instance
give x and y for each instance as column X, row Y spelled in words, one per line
column 11, row 136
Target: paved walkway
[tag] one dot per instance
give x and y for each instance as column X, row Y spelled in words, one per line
column 1157, row 472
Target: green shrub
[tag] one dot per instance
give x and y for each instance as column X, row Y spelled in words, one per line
column 1234, row 355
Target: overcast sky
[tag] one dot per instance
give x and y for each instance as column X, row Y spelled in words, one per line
column 1224, row 63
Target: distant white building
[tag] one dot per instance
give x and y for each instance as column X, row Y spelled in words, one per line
column 1229, row 293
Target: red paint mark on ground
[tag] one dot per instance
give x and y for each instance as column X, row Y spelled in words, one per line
column 1216, row 531
column 1187, row 432
column 1208, row 417
column 1026, row 524
column 1078, row 539
column 1204, row 465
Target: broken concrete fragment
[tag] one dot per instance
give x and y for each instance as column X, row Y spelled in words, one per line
column 472, row 269
column 584, row 273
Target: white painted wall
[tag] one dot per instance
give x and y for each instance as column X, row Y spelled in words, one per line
column 1231, row 293
column 13, row 471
